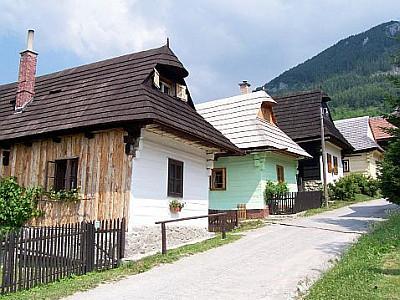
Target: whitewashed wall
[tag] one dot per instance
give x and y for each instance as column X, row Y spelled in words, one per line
column 334, row 151
column 149, row 200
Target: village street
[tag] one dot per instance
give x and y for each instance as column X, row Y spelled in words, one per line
column 268, row 263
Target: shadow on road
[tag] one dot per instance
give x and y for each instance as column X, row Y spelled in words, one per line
column 346, row 224
column 375, row 211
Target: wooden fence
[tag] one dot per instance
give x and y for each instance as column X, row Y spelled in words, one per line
column 37, row 255
column 294, row 202
column 215, row 222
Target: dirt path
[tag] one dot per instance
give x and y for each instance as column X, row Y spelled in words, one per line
column 267, row 263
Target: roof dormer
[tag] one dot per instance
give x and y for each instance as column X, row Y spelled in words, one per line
column 168, row 85
column 266, row 112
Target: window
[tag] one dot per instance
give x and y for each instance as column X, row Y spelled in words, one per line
column 329, row 162
column 280, row 173
column 218, row 179
column 65, row 173
column 175, row 178
column 346, row 165
column 165, row 88
column 6, row 157
column 335, row 165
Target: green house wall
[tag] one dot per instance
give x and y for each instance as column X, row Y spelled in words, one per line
column 246, row 177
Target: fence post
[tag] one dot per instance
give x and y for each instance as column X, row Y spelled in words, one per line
column 90, row 245
column 237, row 219
column 122, row 245
column 163, row 239
column 223, row 226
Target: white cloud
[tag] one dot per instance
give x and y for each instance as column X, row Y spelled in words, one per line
column 90, row 28
column 221, row 42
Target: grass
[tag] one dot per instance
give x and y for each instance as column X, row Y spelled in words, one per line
column 249, row 225
column 73, row 284
column 369, row 270
column 338, row 204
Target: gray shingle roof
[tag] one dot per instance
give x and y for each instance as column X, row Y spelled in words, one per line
column 358, row 133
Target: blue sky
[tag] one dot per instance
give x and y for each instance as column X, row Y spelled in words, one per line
column 220, row 42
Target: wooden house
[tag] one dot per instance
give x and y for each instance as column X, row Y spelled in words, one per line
column 367, row 153
column 124, row 131
column 299, row 115
column 248, row 121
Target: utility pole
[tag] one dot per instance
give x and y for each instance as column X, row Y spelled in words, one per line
column 324, row 167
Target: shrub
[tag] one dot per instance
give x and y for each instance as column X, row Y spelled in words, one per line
column 272, row 189
column 347, row 187
column 17, row 204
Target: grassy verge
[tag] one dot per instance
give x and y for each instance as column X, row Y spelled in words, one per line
column 69, row 286
column 369, row 270
column 338, row 204
column 249, row 225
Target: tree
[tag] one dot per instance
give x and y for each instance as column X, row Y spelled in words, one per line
column 17, row 204
column 390, row 166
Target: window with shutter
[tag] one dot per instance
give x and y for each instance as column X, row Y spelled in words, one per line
column 280, row 173
column 218, row 179
column 175, row 178
column 335, row 165
column 62, row 174
column 329, row 162
column 346, row 165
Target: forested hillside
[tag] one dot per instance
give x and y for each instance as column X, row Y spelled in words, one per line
column 352, row 72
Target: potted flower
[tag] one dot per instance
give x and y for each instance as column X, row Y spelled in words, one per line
column 176, row 206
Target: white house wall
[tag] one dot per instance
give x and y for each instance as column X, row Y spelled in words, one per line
column 333, row 151
column 149, row 200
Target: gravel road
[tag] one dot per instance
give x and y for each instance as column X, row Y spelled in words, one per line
column 268, row 263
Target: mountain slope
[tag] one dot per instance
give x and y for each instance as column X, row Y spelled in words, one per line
column 352, row 72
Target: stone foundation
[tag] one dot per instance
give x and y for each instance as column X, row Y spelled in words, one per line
column 312, row 185
column 147, row 239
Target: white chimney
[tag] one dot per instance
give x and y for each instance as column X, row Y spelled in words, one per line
column 31, row 33
column 244, row 87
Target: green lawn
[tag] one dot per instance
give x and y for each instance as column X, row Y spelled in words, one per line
column 369, row 270
column 338, row 204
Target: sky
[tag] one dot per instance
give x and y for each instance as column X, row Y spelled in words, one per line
column 220, row 42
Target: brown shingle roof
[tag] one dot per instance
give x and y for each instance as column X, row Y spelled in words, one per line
column 106, row 93
column 298, row 115
column 377, row 124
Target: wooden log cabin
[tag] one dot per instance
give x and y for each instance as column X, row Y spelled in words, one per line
column 124, row 131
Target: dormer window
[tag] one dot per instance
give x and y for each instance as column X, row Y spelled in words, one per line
column 266, row 113
column 170, row 87
column 166, row 88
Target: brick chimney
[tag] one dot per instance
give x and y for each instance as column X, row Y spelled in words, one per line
column 26, row 75
column 244, row 87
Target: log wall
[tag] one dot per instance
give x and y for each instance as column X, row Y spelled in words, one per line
column 104, row 175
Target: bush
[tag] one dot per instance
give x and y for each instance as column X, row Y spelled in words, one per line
column 347, row 187
column 272, row 189
column 17, row 204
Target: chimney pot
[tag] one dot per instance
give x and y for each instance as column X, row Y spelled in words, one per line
column 244, row 87
column 31, row 34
